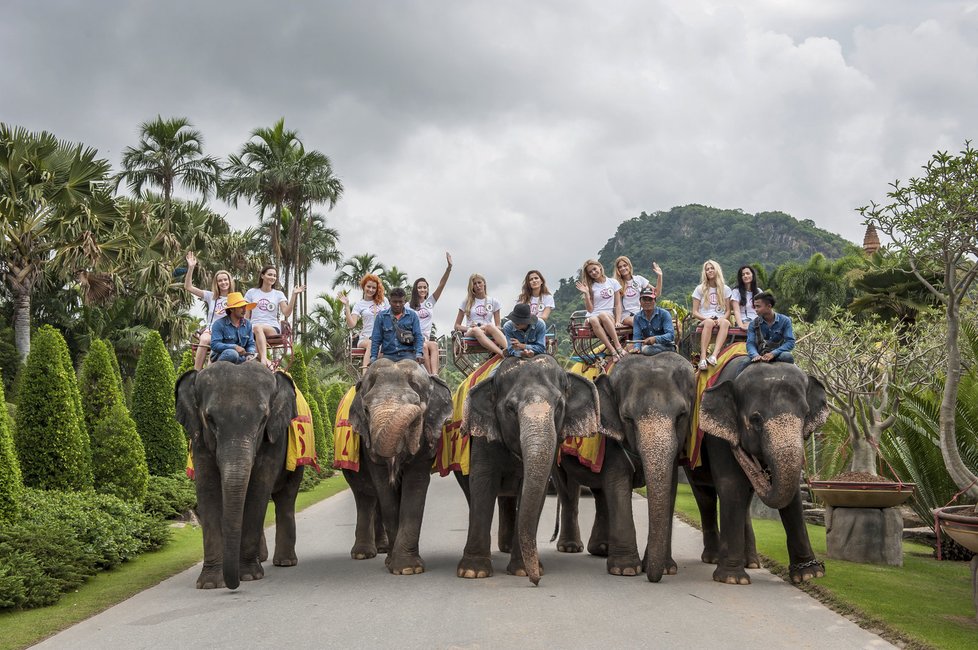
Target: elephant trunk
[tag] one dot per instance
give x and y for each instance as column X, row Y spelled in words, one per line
column 538, row 444
column 658, row 447
column 777, row 482
column 234, row 488
column 398, row 428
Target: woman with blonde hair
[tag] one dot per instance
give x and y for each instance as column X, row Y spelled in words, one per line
column 631, row 287
column 365, row 310
column 481, row 314
column 711, row 299
column 216, row 300
column 602, row 299
column 536, row 294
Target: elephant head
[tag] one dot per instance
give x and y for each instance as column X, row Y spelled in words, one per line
column 233, row 413
column 766, row 413
column 647, row 403
column 399, row 411
column 529, row 405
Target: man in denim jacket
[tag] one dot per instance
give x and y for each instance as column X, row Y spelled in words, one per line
column 385, row 336
column 769, row 336
column 525, row 333
column 231, row 336
column 652, row 328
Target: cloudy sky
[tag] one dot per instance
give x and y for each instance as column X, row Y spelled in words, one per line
column 519, row 134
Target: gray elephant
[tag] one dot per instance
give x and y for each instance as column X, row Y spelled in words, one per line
column 646, row 407
column 398, row 412
column 516, row 419
column 756, row 425
column 237, row 417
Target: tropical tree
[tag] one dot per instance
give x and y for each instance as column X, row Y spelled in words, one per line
column 888, row 288
column 816, row 286
column 326, row 328
column 394, row 277
column 931, row 220
column 315, row 184
column 354, row 268
column 169, row 150
column 55, row 213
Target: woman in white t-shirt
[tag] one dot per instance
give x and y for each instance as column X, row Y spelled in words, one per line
column 602, row 298
column 270, row 303
column 536, row 294
column 481, row 314
column 742, row 298
column 632, row 285
column 711, row 299
column 221, row 285
column 424, row 303
column 365, row 311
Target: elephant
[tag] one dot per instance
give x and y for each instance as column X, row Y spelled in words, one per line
column 398, row 412
column 756, row 422
column 516, row 419
column 237, row 417
column 646, row 407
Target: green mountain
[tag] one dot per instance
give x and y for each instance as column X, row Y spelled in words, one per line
column 680, row 240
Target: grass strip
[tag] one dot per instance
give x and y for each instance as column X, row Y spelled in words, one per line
column 923, row 604
column 107, row 588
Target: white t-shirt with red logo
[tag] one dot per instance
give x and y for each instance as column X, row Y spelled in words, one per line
column 629, row 300
column 215, row 308
column 539, row 303
column 425, row 312
column 266, row 309
column 481, row 312
column 711, row 306
column 603, row 296
column 367, row 310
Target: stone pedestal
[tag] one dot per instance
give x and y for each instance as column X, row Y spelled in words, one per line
column 866, row 535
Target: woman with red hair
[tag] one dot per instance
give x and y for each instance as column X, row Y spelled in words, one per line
column 365, row 310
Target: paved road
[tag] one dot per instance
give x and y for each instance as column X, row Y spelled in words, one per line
column 329, row 600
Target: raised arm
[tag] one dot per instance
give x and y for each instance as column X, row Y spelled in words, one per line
column 444, row 278
column 287, row 307
column 588, row 304
column 658, row 279
column 188, row 283
column 351, row 320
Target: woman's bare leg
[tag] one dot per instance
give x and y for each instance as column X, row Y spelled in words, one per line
column 597, row 328
column 431, row 357
column 609, row 326
column 203, row 347
column 721, row 336
column 364, row 344
column 261, row 345
column 497, row 335
column 705, row 337
column 484, row 340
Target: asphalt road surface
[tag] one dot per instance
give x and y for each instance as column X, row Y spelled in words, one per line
column 329, row 600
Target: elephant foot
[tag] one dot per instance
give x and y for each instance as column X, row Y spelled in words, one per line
column 405, row 565
column 805, row 571
column 599, row 549
column 731, row 576
column 752, row 562
column 251, row 571
column 286, row 559
column 570, row 546
column 212, row 578
column 363, row 551
column 516, row 568
column 629, row 565
column 474, row 567
column 505, row 547
column 710, row 556
column 655, row 573
column 383, row 546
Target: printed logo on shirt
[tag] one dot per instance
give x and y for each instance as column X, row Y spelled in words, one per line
column 534, row 308
column 220, row 307
column 376, row 309
column 713, row 297
column 482, row 310
column 631, row 289
column 264, row 304
column 607, row 292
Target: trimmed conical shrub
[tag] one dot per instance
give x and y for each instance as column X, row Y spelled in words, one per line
column 118, row 457
column 300, row 374
column 114, row 359
column 334, row 394
column 11, row 483
column 324, row 453
column 186, row 362
column 154, row 409
column 100, row 388
column 50, row 438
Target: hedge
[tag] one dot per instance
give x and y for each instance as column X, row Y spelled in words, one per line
column 11, row 483
column 169, row 497
column 154, row 409
column 99, row 386
column 118, row 458
column 51, row 442
column 186, row 362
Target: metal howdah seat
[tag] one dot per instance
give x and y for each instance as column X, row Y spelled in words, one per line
column 585, row 344
column 280, row 346
column 468, row 354
column 689, row 342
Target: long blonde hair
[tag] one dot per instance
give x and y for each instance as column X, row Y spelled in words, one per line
column 588, row 282
column 470, row 295
column 631, row 269
column 717, row 280
column 217, row 292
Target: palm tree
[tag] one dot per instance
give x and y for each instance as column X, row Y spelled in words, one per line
column 327, row 328
column 354, row 268
column 55, row 211
column 315, row 183
column 169, row 150
column 393, row 277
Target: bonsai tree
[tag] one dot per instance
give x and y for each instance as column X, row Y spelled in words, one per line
column 865, row 367
column 932, row 221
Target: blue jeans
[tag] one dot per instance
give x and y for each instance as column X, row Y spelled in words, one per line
column 400, row 355
column 656, row 348
column 230, row 355
column 781, row 357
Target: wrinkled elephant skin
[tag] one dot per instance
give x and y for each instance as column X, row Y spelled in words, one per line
column 237, row 418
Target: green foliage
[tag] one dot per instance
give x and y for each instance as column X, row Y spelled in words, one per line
column 298, row 371
column 11, row 482
column 118, row 457
column 318, row 427
column 815, row 286
column 325, row 453
column 50, row 438
column 67, row 538
column 9, row 359
column 99, row 386
column 154, row 409
column 186, row 362
column 114, row 360
column 169, row 497
column 334, row 394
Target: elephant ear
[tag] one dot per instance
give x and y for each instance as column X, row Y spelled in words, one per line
column 282, row 408
column 582, row 415
column 358, row 414
column 188, row 413
column 818, row 408
column 439, row 410
column 718, row 413
column 479, row 414
column 611, row 424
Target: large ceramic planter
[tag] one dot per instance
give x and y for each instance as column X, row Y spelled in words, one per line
column 960, row 523
column 850, row 494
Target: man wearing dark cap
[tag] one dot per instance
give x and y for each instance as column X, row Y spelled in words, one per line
column 652, row 328
column 526, row 334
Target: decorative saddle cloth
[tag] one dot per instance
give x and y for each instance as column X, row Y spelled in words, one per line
column 453, row 455
column 706, row 379
column 302, row 439
column 589, row 451
column 346, row 443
